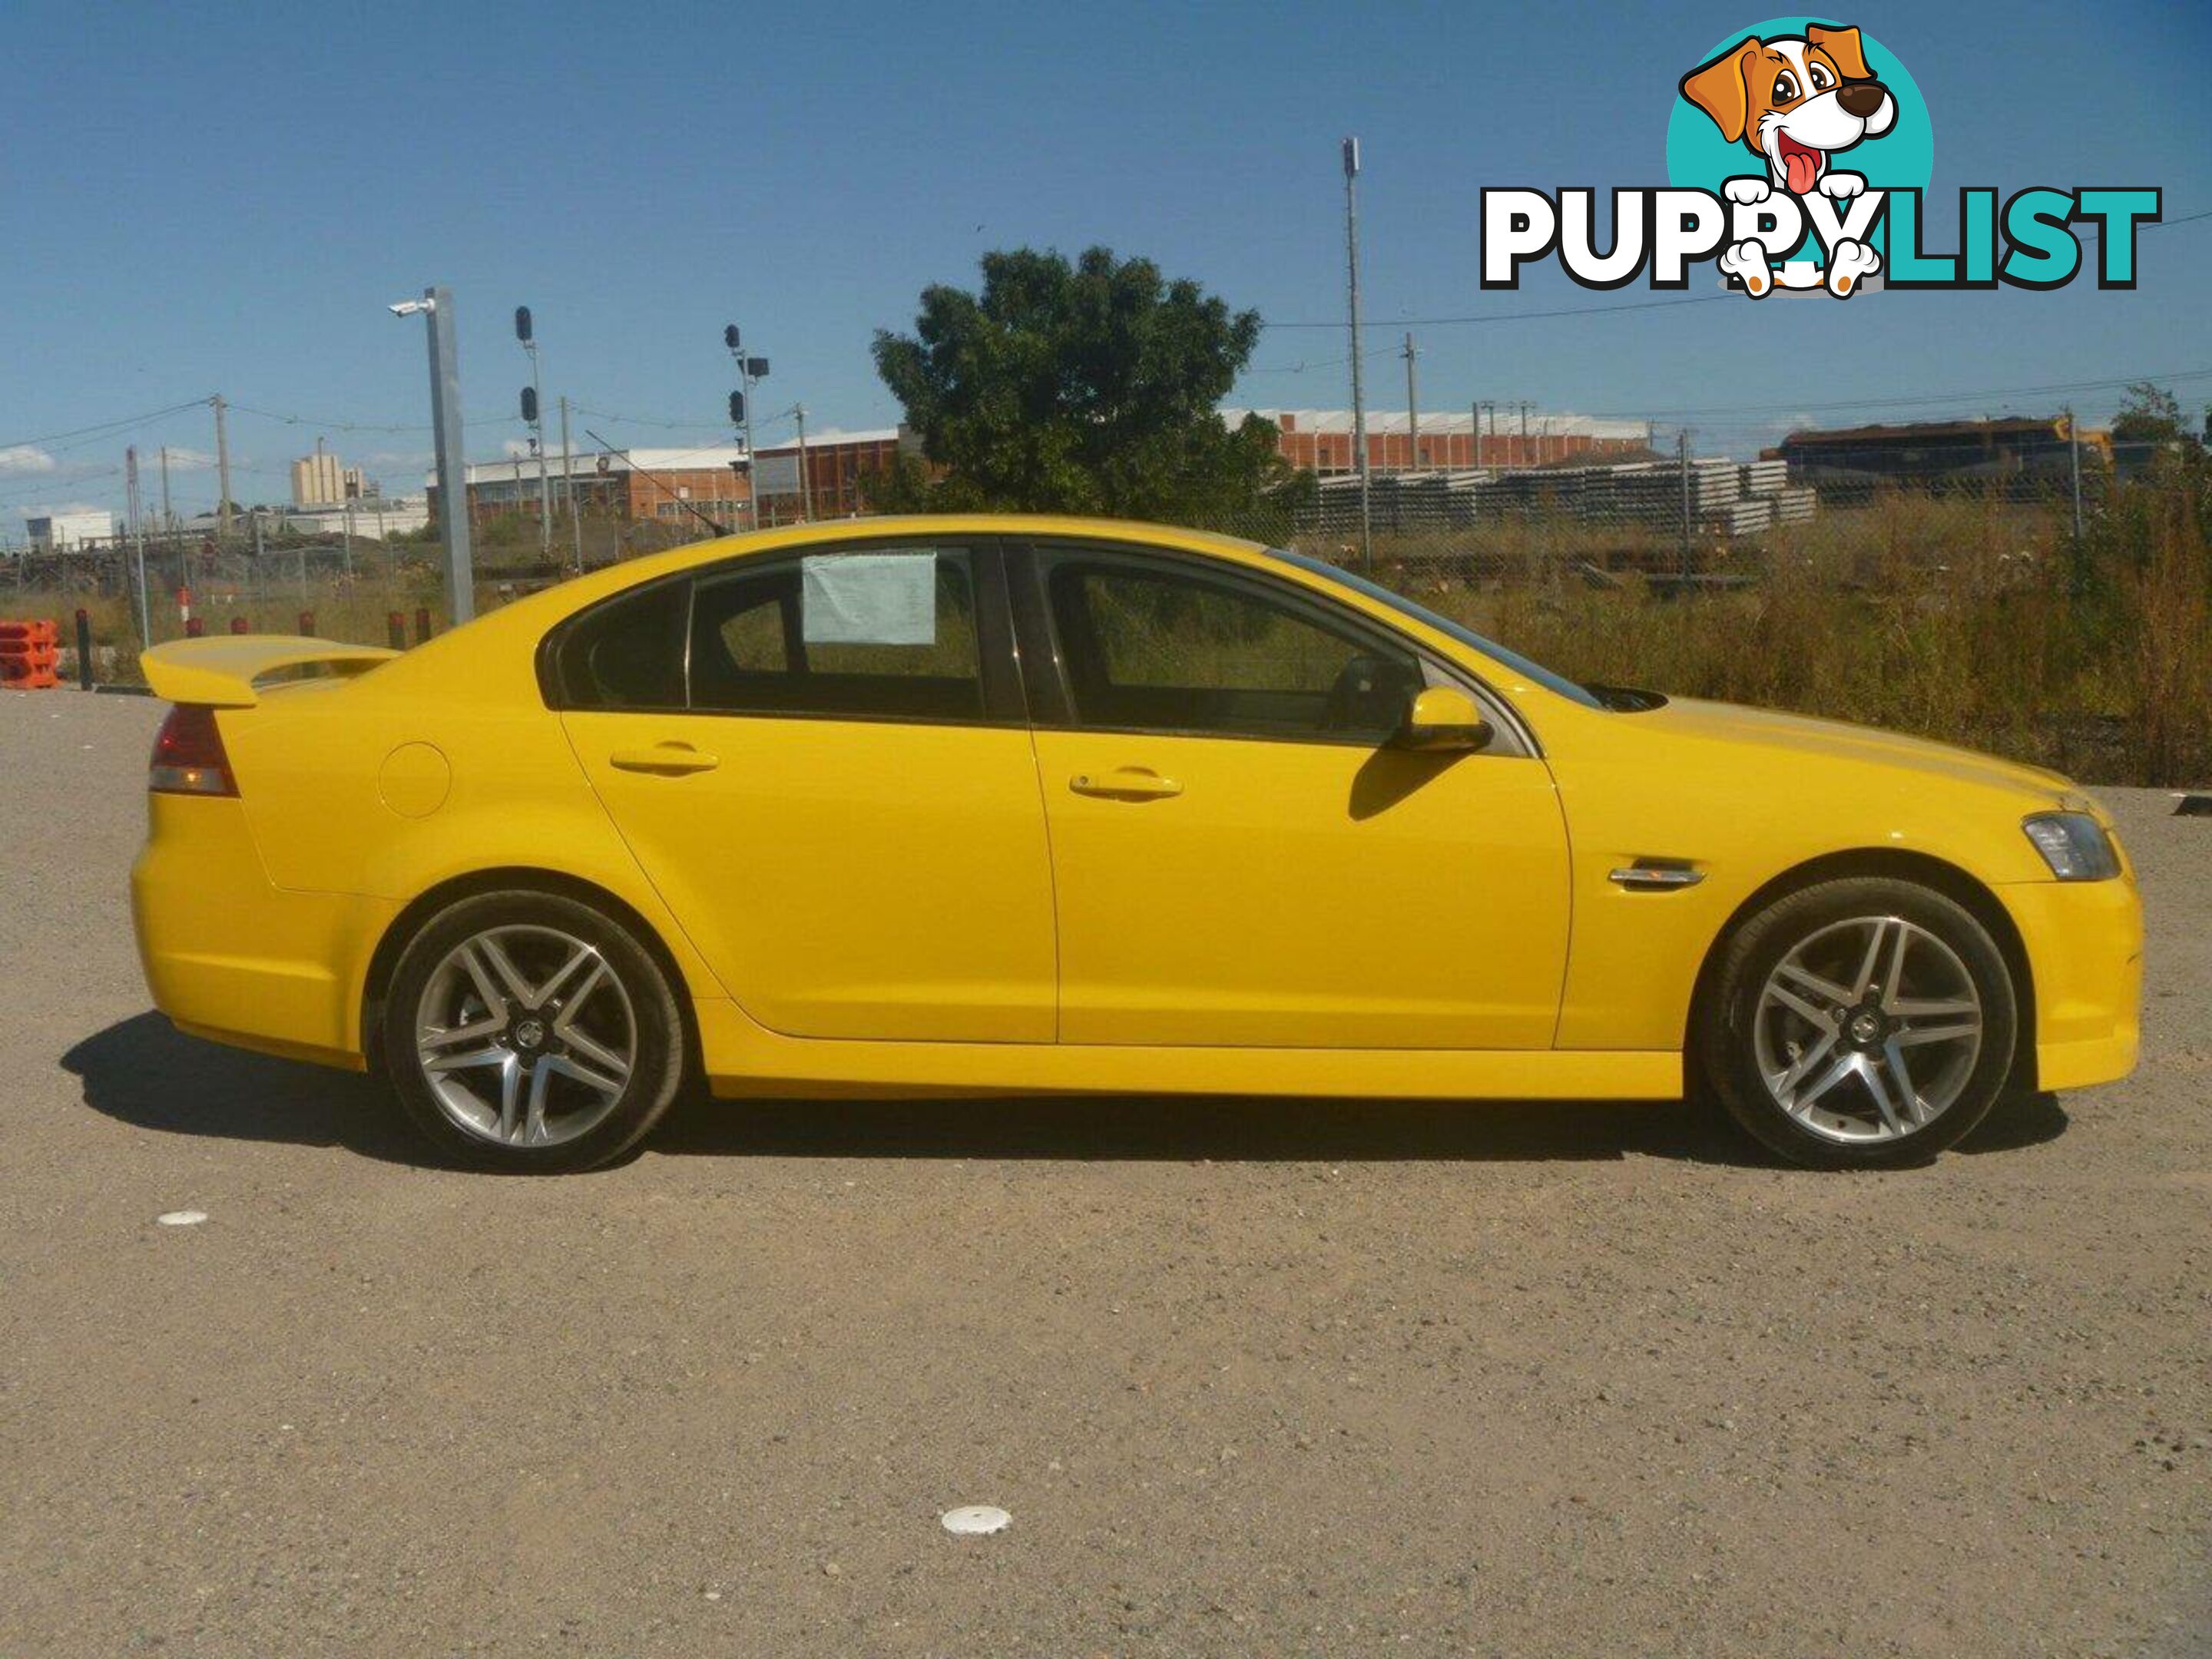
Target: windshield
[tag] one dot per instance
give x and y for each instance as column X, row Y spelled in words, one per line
column 1557, row 683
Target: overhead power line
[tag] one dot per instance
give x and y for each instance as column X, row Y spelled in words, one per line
column 1521, row 316
column 329, row 422
column 1914, row 399
column 2090, row 234
column 100, row 428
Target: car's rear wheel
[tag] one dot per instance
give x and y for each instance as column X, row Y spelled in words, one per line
column 529, row 1032
column 1860, row 1022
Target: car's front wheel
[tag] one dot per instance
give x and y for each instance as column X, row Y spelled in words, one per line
column 529, row 1032
column 1859, row 1023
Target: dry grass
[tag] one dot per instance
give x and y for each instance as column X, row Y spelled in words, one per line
column 1972, row 622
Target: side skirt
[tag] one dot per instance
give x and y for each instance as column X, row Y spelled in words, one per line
column 743, row 1060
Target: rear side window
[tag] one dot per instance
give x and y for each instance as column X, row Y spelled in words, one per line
column 878, row 633
column 628, row 653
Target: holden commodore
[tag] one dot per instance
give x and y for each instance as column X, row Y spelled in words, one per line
column 995, row 803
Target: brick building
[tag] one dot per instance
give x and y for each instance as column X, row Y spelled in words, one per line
column 666, row 484
column 1320, row 440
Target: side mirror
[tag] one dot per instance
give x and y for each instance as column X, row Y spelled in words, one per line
column 1443, row 719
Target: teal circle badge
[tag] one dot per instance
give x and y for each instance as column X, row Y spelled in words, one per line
column 1700, row 156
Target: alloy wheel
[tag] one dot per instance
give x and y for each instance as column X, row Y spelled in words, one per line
column 1868, row 1030
column 526, row 1036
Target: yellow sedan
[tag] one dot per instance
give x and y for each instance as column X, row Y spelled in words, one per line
column 995, row 804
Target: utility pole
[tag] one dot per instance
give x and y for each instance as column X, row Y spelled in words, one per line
column 1413, row 408
column 1524, row 432
column 134, row 512
column 2074, row 445
column 1683, row 460
column 436, row 305
column 168, row 520
column 222, row 473
column 568, row 486
column 1358, row 397
column 805, row 483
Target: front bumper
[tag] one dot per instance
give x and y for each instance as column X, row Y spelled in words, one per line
column 2084, row 942
column 228, row 955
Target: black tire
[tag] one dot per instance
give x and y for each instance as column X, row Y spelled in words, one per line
column 651, row 1016
column 1725, row 1040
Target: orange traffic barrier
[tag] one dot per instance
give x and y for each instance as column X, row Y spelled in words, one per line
column 30, row 655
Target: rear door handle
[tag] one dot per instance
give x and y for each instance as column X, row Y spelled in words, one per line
column 665, row 758
column 1125, row 783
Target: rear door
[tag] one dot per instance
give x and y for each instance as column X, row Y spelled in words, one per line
column 822, row 763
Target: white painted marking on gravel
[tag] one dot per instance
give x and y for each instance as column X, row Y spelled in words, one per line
column 181, row 1217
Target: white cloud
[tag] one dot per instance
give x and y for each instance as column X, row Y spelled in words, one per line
column 46, row 509
column 23, row 457
column 517, row 449
column 181, row 461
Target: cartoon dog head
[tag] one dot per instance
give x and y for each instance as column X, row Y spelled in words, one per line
column 1793, row 100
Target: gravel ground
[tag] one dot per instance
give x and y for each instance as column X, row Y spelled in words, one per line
column 1252, row 1377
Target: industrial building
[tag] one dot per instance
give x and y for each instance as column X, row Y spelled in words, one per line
column 66, row 532
column 1321, row 439
column 322, row 480
column 2014, row 453
column 678, row 484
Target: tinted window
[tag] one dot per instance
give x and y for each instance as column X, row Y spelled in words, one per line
column 1152, row 647
column 1512, row 660
column 628, row 653
column 887, row 633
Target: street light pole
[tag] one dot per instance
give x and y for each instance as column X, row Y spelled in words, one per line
column 1358, row 397
column 436, row 306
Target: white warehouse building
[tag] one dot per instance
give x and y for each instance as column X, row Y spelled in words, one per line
column 64, row 533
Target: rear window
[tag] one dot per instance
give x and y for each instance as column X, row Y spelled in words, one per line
column 885, row 633
column 888, row 634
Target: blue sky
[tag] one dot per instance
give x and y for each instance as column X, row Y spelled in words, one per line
column 225, row 199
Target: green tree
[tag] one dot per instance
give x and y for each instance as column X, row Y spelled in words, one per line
column 2151, row 415
column 1088, row 386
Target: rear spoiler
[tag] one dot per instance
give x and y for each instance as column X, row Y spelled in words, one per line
column 227, row 671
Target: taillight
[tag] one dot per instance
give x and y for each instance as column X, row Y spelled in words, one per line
column 188, row 756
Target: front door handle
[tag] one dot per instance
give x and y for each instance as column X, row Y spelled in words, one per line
column 665, row 758
column 1125, row 783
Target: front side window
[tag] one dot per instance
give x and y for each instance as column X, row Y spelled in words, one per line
column 1158, row 648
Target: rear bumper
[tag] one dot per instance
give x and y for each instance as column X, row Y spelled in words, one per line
column 229, row 956
column 2085, row 943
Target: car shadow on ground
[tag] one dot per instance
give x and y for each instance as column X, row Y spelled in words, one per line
column 142, row 1071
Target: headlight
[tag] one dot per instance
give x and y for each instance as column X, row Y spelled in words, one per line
column 2075, row 846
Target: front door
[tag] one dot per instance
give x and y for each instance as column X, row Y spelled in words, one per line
column 1238, row 858
column 836, row 797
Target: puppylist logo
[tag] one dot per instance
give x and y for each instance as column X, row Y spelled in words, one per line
column 1798, row 157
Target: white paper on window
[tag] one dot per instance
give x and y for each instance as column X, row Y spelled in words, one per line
column 868, row 598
